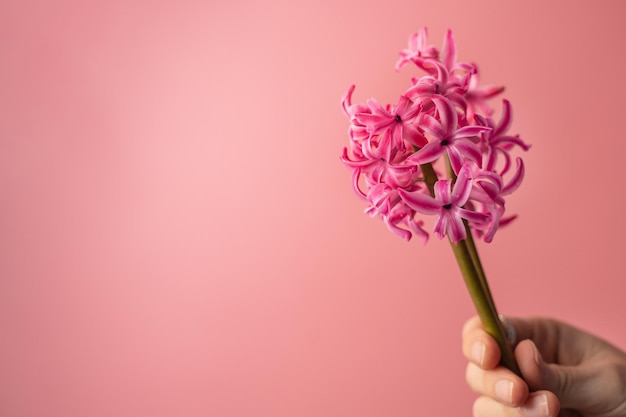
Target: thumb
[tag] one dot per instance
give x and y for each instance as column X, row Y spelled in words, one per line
column 569, row 383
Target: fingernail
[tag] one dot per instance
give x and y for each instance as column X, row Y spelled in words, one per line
column 536, row 406
column 478, row 352
column 504, row 390
column 537, row 355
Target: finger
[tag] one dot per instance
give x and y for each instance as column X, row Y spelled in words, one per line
column 570, row 383
column 472, row 324
column 499, row 384
column 480, row 348
column 557, row 341
column 538, row 404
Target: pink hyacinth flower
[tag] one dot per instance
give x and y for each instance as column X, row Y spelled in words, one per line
column 448, row 205
column 399, row 120
column 448, row 138
column 418, row 48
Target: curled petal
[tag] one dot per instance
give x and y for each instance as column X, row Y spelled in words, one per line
column 428, row 153
column 507, row 163
column 473, row 216
column 426, row 86
column 447, row 114
column 442, row 192
column 355, row 164
column 377, row 108
column 346, row 100
column 509, row 141
column 491, row 157
column 356, row 175
column 492, row 193
column 404, row 104
column 469, row 131
column 506, row 119
column 491, row 229
column 456, row 158
column 462, row 187
column 374, row 123
column 469, row 150
column 412, row 135
column 432, row 126
column 396, row 230
column 517, row 178
column 420, row 202
column 458, row 100
column 416, row 228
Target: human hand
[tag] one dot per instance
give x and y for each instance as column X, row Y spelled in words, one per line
column 567, row 372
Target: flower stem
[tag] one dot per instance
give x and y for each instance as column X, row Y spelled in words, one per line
column 473, row 273
column 481, row 297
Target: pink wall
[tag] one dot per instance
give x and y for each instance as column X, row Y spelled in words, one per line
column 179, row 238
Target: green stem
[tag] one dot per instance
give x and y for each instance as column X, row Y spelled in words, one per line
column 476, row 282
column 473, row 273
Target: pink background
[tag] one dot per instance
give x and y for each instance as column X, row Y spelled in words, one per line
column 179, row 238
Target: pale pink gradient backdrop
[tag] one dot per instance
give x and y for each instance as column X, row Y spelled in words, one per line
column 179, row 238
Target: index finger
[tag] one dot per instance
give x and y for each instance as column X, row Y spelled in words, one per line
column 472, row 324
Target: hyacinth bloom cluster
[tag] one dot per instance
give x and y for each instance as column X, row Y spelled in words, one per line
column 437, row 151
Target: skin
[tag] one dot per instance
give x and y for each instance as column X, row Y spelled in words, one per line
column 567, row 372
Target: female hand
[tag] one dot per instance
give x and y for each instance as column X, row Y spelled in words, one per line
column 567, row 372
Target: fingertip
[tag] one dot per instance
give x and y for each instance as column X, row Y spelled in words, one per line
column 481, row 349
column 477, row 354
column 541, row 404
column 554, row 405
column 519, row 393
column 538, row 404
column 529, row 359
column 471, row 324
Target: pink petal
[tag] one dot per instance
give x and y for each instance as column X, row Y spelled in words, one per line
column 473, row 216
column 377, row 108
column 398, row 231
column 491, row 231
column 447, row 114
column 448, row 51
column 506, row 119
column 404, row 104
column 428, row 153
column 456, row 158
column 457, row 100
column 441, row 224
column 356, row 174
column 345, row 158
column 462, row 187
column 442, row 72
column 487, row 91
column 492, row 158
column 413, row 136
column 468, row 149
column 491, row 176
column 456, row 229
column 469, row 131
column 346, row 100
column 420, row 89
column 416, row 228
column 420, row 202
column 510, row 141
column 432, row 126
column 491, row 192
column 517, row 178
column 442, row 192
column 413, row 110
column 369, row 120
